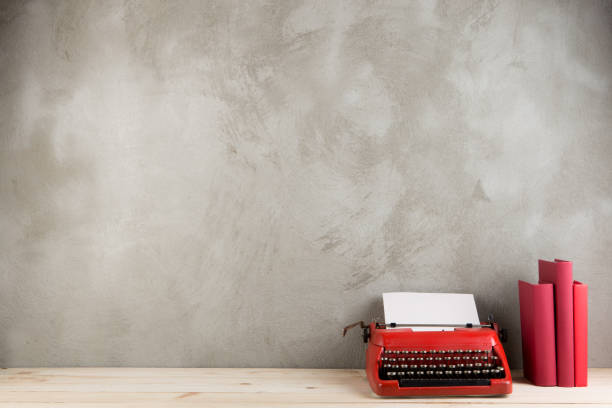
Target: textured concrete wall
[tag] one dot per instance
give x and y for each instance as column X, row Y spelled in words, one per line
column 229, row 183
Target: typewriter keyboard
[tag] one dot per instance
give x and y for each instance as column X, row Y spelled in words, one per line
column 440, row 368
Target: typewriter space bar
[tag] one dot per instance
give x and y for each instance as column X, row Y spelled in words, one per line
column 442, row 382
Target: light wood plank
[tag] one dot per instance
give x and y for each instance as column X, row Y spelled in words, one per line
column 229, row 387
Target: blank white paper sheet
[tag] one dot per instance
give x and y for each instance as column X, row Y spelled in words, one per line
column 430, row 308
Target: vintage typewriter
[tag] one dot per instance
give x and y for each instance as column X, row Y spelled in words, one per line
column 468, row 360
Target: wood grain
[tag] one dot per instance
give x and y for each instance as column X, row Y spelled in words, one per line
column 245, row 387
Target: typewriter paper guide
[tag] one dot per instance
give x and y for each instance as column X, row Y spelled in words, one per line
column 430, row 308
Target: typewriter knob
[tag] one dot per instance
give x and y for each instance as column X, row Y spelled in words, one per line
column 503, row 335
column 366, row 334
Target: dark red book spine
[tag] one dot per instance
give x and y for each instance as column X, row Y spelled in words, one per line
column 537, row 310
column 559, row 273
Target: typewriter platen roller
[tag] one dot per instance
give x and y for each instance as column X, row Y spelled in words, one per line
column 468, row 360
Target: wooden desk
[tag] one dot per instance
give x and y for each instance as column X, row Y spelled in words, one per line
column 241, row 387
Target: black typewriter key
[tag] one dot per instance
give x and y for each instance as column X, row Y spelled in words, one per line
column 488, row 365
column 458, row 372
column 485, row 358
column 477, row 365
column 475, row 358
column 459, row 351
column 404, row 365
column 469, row 365
column 433, row 366
column 485, row 371
column 448, row 358
column 450, row 351
column 420, row 373
column 410, row 358
column 467, row 372
column 429, row 358
column 467, row 351
column 404, row 351
column 467, row 357
column 452, row 366
column 438, row 358
column 392, row 359
column 423, row 351
column 460, row 365
column 391, row 373
column 413, row 352
column 401, row 359
column 423, row 366
column 419, row 358
column 429, row 372
column 448, row 372
column 439, row 372
column 442, row 365
column 476, row 372
column 400, row 373
column 456, row 358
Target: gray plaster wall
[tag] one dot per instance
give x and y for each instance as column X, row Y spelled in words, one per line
column 230, row 183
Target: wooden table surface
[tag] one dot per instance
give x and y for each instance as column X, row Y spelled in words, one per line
column 253, row 387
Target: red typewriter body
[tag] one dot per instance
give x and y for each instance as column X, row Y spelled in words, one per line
column 466, row 361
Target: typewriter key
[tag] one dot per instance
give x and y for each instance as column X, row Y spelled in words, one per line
column 494, row 358
column 392, row 359
column 489, row 365
column 410, row 373
column 429, row 358
column 456, row 358
column 439, row 372
column 467, row 351
column 476, row 372
column 459, row 351
column 484, row 358
column 400, row 373
column 429, row 372
column 477, row 351
column 432, row 366
column 410, row 358
column 423, row 366
column 475, row 358
column 405, row 352
column 419, row 358
column 447, row 358
column 477, row 365
column 448, row 372
column 423, row 352
column 452, row 366
column 404, row 365
column 458, row 372
column 401, row 359
column 391, row 373
column 460, row 365
column 469, row 365
column 438, row 358
column 468, row 372
column 485, row 371
column 450, row 351
column 467, row 357
column 442, row 365
column 420, row 373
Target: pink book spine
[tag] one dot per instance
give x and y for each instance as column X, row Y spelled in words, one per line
column 581, row 316
column 559, row 273
column 537, row 313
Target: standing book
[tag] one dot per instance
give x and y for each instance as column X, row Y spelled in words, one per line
column 580, row 334
column 538, row 333
column 559, row 273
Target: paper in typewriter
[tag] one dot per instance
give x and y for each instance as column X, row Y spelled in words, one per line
column 430, row 308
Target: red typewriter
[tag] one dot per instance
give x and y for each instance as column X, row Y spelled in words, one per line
column 468, row 360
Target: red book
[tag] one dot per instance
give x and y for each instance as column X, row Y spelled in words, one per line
column 538, row 333
column 580, row 334
column 559, row 273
